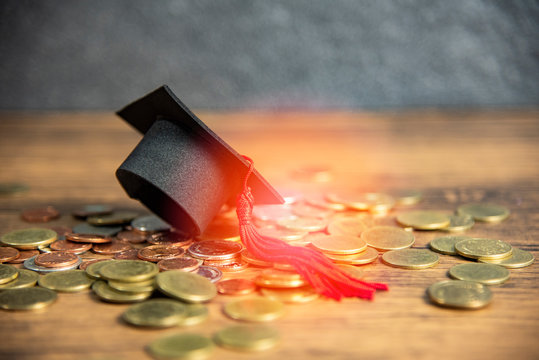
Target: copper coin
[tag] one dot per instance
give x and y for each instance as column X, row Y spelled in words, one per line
column 132, row 237
column 8, row 254
column 131, row 254
column 170, row 238
column 70, row 246
column 238, row 265
column 89, row 262
column 111, row 248
column 236, row 287
column 88, row 238
column 183, row 263
column 92, row 210
column 157, row 253
column 23, row 255
column 215, row 249
column 61, row 230
column 56, row 259
column 40, row 214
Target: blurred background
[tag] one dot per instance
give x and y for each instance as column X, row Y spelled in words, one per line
column 257, row 54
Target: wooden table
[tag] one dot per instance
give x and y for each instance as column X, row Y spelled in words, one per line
column 454, row 157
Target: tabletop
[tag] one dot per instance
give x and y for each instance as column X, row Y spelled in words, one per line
column 68, row 160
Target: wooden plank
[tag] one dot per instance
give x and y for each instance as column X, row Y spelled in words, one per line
column 69, row 159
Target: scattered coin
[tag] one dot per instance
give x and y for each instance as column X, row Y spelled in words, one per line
column 41, row 214
column 27, row 298
column 210, row 273
column 303, row 224
column 460, row 294
column 247, row 337
column 407, row 197
column 196, row 313
column 251, row 259
column 446, row 244
column 111, row 248
column 365, row 257
column 31, row 265
column 115, row 218
column 170, row 238
column 485, row 248
column 424, row 219
column 149, row 224
column 70, row 246
column 23, row 255
column 88, row 238
column 92, row 210
column 106, row 293
column 56, row 259
column 28, row 239
column 133, row 287
column 484, row 212
column 181, row 346
column 105, row 231
column 182, row 263
column 339, row 244
column 25, row 279
column 388, row 238
column 7, row 273
column 275, row 278
column 487, row 274
column 131, row 254
column 8, row 254
column 518, row 259
column 323, row 203
column 282, row 234
column 347, row 226
column 132, row 237
column 66, row 281
column 459, row 223
column 413, row 259
column 157, row 253
column 236, row 265
column 155, row 313
column 256, row 309
column 305, row 210
column 236, row 287
column 126, row 270
column 87, row 262
column 298, row 295
column 185, row 286
column 215, row 249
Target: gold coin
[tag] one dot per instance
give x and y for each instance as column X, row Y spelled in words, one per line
column 446, row 244
column 365, row 257
column 351, row 270
column 460, row 294
column 347, row 226
column 413, row 259
column 155, row 313
column 297, row 295
column 195, row 314
column 484, row 212
column 181, row 346
column 407, row 197
column 27, row 239
column 186, row 286
column 282, row 234
column 8, row 273
column 93, row 269
column 276, row 278
column 459, row 223
column 247, row 337
column 303, row 224
column 128, row 270
column 25, row 279
column 339, row 244
column 26, row 299
column 487, row 274
column 141, row 286
column 106, row 293
column 519, row 259
column 476, row 248
column 424, row 219
column 66, row 281
column 256, row 309
column 251, row 259
column 385, row 238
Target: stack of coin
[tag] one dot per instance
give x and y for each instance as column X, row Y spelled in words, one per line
column 224, row 255
column 52, row 262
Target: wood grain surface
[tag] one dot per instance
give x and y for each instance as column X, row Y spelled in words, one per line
column 454, row 157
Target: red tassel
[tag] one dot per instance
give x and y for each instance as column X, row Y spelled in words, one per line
column 326, row 278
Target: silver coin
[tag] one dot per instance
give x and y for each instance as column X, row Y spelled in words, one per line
column 150, row 223
column 96, row 230
column 31, row 265
column 209, row 272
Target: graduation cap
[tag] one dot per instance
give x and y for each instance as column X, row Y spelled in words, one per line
column 181, row 170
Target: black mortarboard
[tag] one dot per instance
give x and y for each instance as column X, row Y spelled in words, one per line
column 181, row 170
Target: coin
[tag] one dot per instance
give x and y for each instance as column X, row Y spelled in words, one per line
column 23, row 255
column 518, row 259
column 446, row 244
column 133, row 287
column 303, row 224
column 70, row 246
column 323, row 203
column 116, row 218
column 485, row 248
column 185, row 286
column 155, row 313
column 170, row 238
column 181, row 346
column 31, row 265
column 104, row 231
column 255, row 309
column 196, row 313
column 88, row 238
column 155, row 253
column 459, row 223
column 236, row 287
column 365, row 257
column 276, row 278
column 25, row 279
column 131, row 254
column 347, row 226
column 110, row 248
column 210, row 273
column 413, row 259
column 247, row 337
column 92, row 210
column 183, row 263
column 8, row 254
column 236, row 265
column 251, row 259
column 149, row 224
column 56, row 259
column 484, row 212
column 351, row 270
column 272, row 212
column 388, row 238
column 298, row 295
column 7, row 273
column 487, row 274
column 28, row 239
column 106, row 293
column 281, row 234
column 308, row 211
column 127, row 270
column 339, row 244
column 407, row 197
column 460, row 294
column 66, row 281
column 41, row 214
column 87, row 262
column 132, row 237
column 424, row 219
column 27, row 298
column 215, row 249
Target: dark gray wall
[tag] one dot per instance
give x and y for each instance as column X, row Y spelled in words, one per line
column 270, row 53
